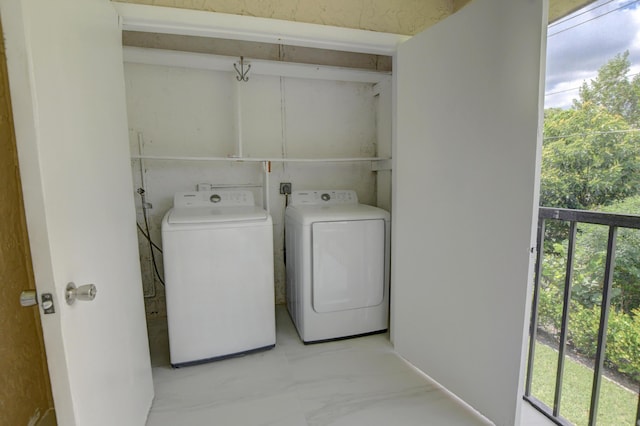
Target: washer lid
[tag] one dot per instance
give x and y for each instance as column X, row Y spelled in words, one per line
column 216, row 214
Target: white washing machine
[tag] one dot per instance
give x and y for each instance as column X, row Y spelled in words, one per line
column 218, row 266
column 337, row 254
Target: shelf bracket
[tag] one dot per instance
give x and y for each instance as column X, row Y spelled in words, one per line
column 381, row 165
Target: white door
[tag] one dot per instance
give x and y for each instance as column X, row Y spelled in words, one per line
column 465, row 198
column 67, row 89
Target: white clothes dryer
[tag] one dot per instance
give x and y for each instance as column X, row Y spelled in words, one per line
column 337, row 265
column 218, row 266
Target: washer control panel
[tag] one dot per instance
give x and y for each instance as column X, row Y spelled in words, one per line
column 324, row 197
column 215, row 197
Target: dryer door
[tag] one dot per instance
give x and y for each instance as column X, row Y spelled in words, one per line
column 348, row 264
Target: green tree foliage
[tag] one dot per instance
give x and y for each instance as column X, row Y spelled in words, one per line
column 592, row 253
column 613, row 90
column 590, row 161
column 588, row 158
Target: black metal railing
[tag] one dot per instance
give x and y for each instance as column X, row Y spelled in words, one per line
column 573, row 218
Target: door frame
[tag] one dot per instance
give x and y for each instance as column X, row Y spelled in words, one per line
column 38, row 376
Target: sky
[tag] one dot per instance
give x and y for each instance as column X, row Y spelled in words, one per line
column 579, row 44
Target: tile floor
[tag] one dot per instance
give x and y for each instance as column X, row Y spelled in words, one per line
column 350, row 382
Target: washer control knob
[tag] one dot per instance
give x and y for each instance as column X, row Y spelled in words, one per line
column 325, row 197
column 215, row 198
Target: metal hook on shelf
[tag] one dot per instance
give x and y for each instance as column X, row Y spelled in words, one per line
column 242, row 73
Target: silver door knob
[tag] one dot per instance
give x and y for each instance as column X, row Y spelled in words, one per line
column 84, row 292
column 28, row 298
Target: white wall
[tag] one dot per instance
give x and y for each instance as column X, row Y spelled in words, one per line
column 194, row 112
column 384, row 115
column 465, row 199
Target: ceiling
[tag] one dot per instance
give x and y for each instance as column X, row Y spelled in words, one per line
column 560, row 8
column 406, row 17
column 557, row 8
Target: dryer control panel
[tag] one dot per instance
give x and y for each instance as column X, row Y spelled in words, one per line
column 218, row 198
column 324, row 197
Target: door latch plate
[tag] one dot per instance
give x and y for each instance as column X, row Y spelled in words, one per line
column 47, row 303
